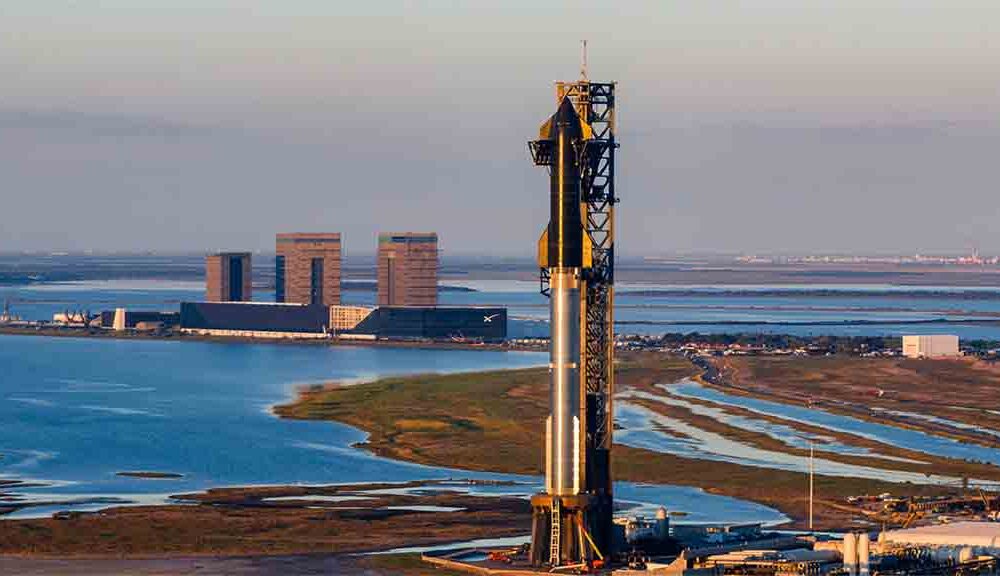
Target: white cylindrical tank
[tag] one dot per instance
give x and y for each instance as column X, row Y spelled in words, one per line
column 851, row 554
column 864, row 554
column 119, row 323
column 662, row 524
column 631, row 530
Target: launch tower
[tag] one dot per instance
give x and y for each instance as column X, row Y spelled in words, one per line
column 572, row 519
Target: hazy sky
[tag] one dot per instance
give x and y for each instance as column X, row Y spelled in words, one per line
column 763, row 126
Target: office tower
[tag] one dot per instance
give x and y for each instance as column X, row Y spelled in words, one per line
column 407, row 269
column 227, row 277
column 307, row 268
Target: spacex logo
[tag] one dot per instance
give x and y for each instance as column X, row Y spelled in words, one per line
column 489, row 319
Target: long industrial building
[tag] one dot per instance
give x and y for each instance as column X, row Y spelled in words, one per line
column 254, row 319
column 307, row 268
column 407, row 269
column 266, row 320
column 227, row 277
column 488, row 324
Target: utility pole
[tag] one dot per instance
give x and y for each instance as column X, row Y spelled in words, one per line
column 812, row 473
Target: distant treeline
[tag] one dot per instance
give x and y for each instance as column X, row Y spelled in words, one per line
column 788, row 341
column 833, row 344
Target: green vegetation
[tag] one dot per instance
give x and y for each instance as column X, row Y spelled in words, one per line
column 478, row 421
column 469, row 420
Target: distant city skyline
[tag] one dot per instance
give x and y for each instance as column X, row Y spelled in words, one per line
column 771, row 127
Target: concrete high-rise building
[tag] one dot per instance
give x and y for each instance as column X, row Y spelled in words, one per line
column 227, row 277
column 407, row 269
column 307, row 268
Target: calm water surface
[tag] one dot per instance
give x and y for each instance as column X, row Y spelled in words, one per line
column 74, row 412
column 893, row 435
column 891, row 310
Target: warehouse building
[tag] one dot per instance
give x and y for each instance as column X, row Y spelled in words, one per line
column 307, row 268
column 480, row 324
column 931, row 346
column 255, row 319
column 407, row 269
column 227, row 277
column 267, row 320
column 979, row 537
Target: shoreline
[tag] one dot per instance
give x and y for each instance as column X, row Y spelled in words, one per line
column 176, row 336
column 491, row 429
column 425, row 431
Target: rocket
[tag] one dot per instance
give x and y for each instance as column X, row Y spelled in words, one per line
column 572, row 519
column 564, row 249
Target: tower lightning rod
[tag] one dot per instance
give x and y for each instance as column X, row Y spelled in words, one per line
column 583, row 62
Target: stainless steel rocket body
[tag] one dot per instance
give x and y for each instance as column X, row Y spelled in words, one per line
column 563, row 473
column 564, row 252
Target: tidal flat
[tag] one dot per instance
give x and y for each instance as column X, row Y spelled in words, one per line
column 491, row 421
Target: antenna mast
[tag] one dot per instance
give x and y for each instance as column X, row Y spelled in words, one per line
column 812, row 475
column 583, row 62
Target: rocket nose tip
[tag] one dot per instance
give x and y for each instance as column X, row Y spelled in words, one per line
column 566, row 109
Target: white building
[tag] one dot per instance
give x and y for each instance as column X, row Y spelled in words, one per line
column 930, row 346
column 982, row 537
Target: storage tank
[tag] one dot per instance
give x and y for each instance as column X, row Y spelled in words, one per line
column 864, row 554
column 120, row 322
column 662, row 524
column 851, row 554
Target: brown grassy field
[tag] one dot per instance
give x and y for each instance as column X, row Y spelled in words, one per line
column 960, row 389
column 492, row 421
column 481, row 421
column 239, row 521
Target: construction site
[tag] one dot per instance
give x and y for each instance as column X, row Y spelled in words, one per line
column 574, row 526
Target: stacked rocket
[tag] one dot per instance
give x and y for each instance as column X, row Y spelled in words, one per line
column 564, row 250
column 572, row 519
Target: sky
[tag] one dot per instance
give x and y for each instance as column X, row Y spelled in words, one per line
column 771, row 126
